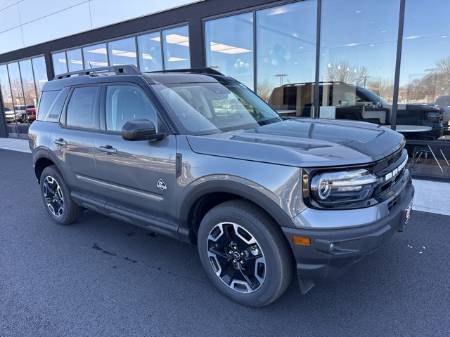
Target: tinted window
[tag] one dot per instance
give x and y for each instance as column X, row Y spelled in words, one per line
column 357, row 58
column 125, row 103
column 122, row 52
column 74, row 60
column 50, row 105
column 176, row 48
column 95, row 56
column 59, row 63
column 150, row 57
column 82, row 108
column 229, row 46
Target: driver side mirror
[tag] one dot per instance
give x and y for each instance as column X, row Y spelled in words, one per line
column 140, row 129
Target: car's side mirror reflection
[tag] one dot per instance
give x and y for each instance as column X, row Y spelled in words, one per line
column 140, row 129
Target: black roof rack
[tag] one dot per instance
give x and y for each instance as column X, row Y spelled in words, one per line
column 117, row 70
column 204, row 70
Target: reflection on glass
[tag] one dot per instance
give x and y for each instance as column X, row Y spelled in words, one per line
column 5, row 89
column 95, row 56
column 40, row 73
column 286, row 49
column 29, row 90
column 176, row 48
column 424, row 92
column 59, row 63
column 229, row 46
column 74, row 60
column 150, row 58
column 17, row 98
column 357, row 59
column 122, row 52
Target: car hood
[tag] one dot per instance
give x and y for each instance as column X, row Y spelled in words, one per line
column 303, row 143
column 418, row 107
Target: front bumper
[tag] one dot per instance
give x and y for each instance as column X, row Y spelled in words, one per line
column 333, row 250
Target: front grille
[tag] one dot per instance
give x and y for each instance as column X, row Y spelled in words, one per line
column 390, row 172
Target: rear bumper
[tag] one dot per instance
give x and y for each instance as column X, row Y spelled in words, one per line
column 333, row 250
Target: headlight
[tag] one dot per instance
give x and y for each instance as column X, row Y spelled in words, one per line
column 343, row 187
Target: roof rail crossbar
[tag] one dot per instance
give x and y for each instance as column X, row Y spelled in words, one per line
column 204, row 70
column 117, row 70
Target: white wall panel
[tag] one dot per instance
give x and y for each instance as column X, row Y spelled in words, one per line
column 31, row 10
column 9, row 18
column 11, row 40
column 106, row 12
column 64, row 23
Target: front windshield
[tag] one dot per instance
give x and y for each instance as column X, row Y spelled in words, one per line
column 371, row 96
column 215, row 107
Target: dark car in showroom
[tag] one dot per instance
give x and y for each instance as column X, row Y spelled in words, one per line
column 341, row 100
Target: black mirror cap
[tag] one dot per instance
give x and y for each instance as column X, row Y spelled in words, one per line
column 140, row 129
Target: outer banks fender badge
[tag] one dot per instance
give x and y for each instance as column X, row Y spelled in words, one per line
column 161, row 185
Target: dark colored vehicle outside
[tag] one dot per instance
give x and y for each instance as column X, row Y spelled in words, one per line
column 199, row 157
column 355, row 103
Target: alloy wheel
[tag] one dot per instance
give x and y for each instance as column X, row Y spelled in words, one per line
column 53, row 196
column 236, row 257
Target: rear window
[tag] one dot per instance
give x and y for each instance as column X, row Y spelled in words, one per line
column 50, row 105
column 82, row 109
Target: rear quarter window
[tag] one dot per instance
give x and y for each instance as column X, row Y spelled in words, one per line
column 50, row 105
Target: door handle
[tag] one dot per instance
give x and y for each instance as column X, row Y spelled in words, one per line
column 60, row 142
column 107, row 149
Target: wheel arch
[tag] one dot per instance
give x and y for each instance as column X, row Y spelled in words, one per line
column 42, row 159
column 209, row 194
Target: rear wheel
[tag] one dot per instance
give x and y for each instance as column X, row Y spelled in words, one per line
column 244, row 253
column 56, row 197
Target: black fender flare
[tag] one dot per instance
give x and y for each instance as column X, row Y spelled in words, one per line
column 246, row 191
column 43, row 153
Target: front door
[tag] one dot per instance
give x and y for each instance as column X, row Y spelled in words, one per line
column 136, row 175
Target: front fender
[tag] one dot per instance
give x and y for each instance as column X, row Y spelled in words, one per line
column 244, row 188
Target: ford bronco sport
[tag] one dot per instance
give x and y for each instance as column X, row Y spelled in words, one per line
column 197, row 156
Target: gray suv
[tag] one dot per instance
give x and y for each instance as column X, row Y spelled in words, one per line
column 197, row 156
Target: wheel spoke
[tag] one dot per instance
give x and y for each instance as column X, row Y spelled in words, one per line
column 236, row 257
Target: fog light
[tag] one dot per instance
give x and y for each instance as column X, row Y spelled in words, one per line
column 301, row 240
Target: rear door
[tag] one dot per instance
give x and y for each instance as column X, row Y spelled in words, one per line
column 136, row 175
column 76, row 140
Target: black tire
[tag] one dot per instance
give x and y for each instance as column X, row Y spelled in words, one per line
column 70, row 210
column 277, row 258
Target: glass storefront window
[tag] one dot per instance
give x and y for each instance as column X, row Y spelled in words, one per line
column 286, row 57
column 19, row 107
column 7, row 109
column 424, row 89
column 176, row 48
column 150, row 54
column 95, row 56
column 59, row 63
column 74, row 60
column 229, row 47
column 40, row 73
column 357, row 59
column 29, row 90
column 122, row 52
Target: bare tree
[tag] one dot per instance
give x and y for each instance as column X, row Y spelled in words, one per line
column 344, row 72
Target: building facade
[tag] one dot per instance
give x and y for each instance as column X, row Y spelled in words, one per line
column 380, row 61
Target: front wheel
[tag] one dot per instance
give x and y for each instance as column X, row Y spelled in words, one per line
column 244, row 253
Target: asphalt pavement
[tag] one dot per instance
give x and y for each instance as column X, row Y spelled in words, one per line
column 101, row 277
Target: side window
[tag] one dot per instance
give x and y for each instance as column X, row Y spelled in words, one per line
column 125, row 103
column 47, row 104
column 82, row 108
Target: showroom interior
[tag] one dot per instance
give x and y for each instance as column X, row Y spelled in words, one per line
column 379, row 61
